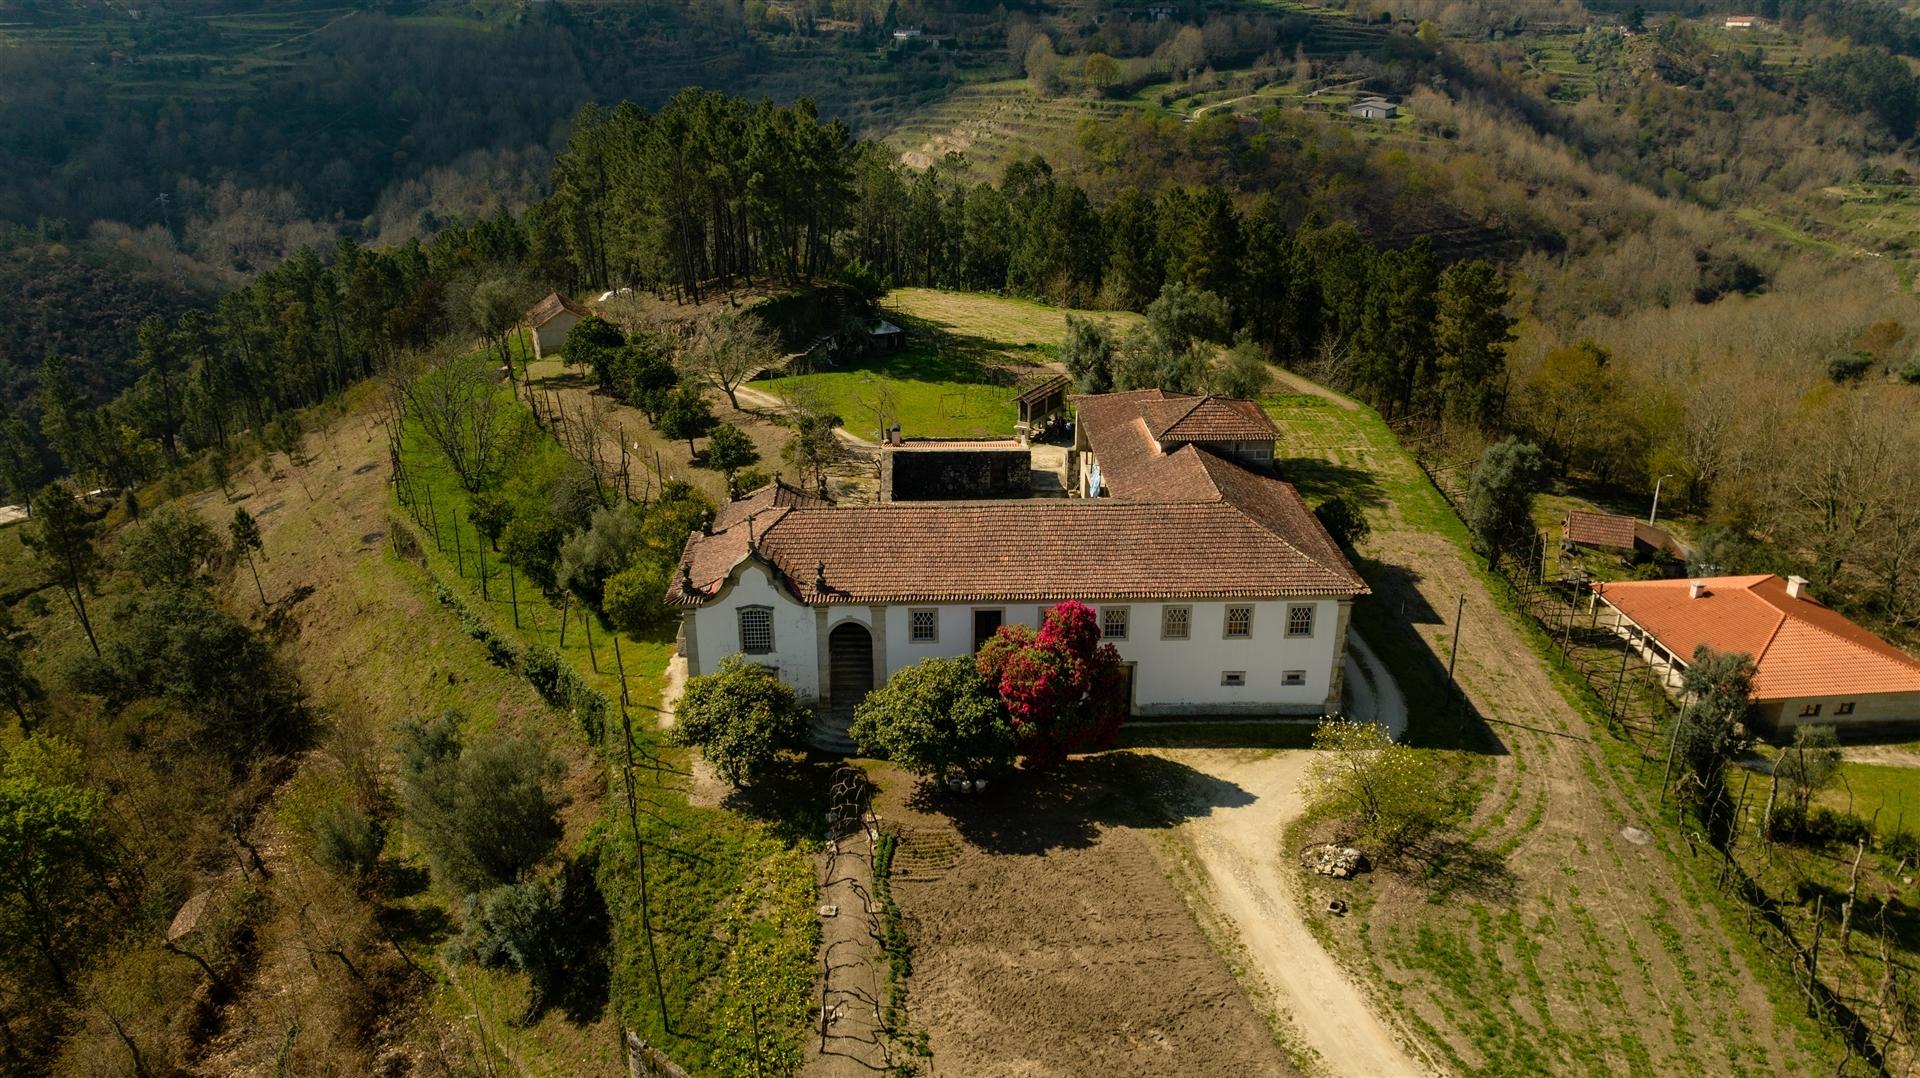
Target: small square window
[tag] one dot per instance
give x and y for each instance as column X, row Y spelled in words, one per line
column 1176, row 622
column 923, row 626
column 1293, row 677
column 1843, row 709
column 1113, row 622
column 1300, row 621
column 1233, row 677
column 756, row 630
column 1239, row 622
column 1810, row 711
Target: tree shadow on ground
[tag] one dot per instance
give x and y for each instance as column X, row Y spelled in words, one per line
column 792, row 800
column 1034, row 812
column 1318, row 478
column 1448, row 865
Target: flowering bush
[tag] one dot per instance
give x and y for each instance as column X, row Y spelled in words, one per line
column 1063, row 688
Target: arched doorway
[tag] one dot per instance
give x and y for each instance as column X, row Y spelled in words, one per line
column 849, row 679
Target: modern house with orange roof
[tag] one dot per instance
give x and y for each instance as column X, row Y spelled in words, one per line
column 1221, row 591
column 1812, row 665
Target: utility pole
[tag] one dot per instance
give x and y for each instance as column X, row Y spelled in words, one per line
column 1656, row 498
column 1453, row 654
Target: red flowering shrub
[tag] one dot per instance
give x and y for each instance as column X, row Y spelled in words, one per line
column 1062, row 686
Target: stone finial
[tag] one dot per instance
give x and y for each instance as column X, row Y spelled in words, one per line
column 820, row 577
column 686, row 579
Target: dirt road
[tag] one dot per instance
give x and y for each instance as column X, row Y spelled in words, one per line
column 1251, row 882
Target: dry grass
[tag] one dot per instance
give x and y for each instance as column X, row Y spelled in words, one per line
column 1008, row 323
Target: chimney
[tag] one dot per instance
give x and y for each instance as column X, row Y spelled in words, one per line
column 1697, row 589
column 1797, row 587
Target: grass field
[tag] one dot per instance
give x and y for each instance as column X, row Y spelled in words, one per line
column 968, row 356
column 1523, row 947
column 1890, row 796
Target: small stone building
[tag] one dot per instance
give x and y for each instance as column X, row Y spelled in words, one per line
column 550, row 319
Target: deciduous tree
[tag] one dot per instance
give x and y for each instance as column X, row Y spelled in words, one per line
column 1500, row 497
column 485, row 811
column 170, row 546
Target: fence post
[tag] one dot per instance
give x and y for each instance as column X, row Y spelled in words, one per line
column 513, row 595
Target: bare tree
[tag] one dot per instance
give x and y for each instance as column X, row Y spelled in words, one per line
column 728, row 347
column 457, row 403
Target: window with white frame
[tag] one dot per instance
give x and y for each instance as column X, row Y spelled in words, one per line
column 1176, row 622
column 1293, row 677
column 756, row 630
column 1239, row 622
column 1113, row 622
column 923, row 626
column 1300, row 621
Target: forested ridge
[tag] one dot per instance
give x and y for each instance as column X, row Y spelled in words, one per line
column 1630, row 276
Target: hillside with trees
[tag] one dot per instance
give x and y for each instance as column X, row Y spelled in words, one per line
column 1596, row 252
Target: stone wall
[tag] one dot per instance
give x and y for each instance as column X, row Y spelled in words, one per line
column 954, row 473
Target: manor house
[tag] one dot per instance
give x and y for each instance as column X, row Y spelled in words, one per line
column 1220, row 590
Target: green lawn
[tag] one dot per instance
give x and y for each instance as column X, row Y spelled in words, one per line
column 929, row 391
column 1891, row 792
column 968, row 355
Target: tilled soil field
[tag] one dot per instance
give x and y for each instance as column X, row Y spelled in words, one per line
column 1048, row 939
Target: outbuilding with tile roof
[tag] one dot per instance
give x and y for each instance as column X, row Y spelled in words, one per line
column 550, row 319
column 1812, row 664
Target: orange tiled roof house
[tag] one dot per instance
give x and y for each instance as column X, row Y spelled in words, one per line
column 1812, row 665
column 1218, row 587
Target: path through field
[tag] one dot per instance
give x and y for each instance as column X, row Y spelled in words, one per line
column 1550, row 941
column 1250, row 880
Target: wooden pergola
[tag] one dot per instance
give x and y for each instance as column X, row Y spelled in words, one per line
column 1040, row 404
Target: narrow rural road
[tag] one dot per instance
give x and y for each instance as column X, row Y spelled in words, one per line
column 1251, row 880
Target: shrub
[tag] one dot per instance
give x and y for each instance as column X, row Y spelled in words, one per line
column 346, row 841
column 1902, row 846
column 1849, row 367
column 1061, row 686
column 740, row 717
column 484, row 812
column 553, row 931
column 937, row 718
column 1343, row 520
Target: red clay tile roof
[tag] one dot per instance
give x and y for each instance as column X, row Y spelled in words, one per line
column 1800, row 647
column 1179, row 417
column 548, row 309
column 1599, row 529
column 1016, row 551
column 1187, row 524
column 775, row 495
